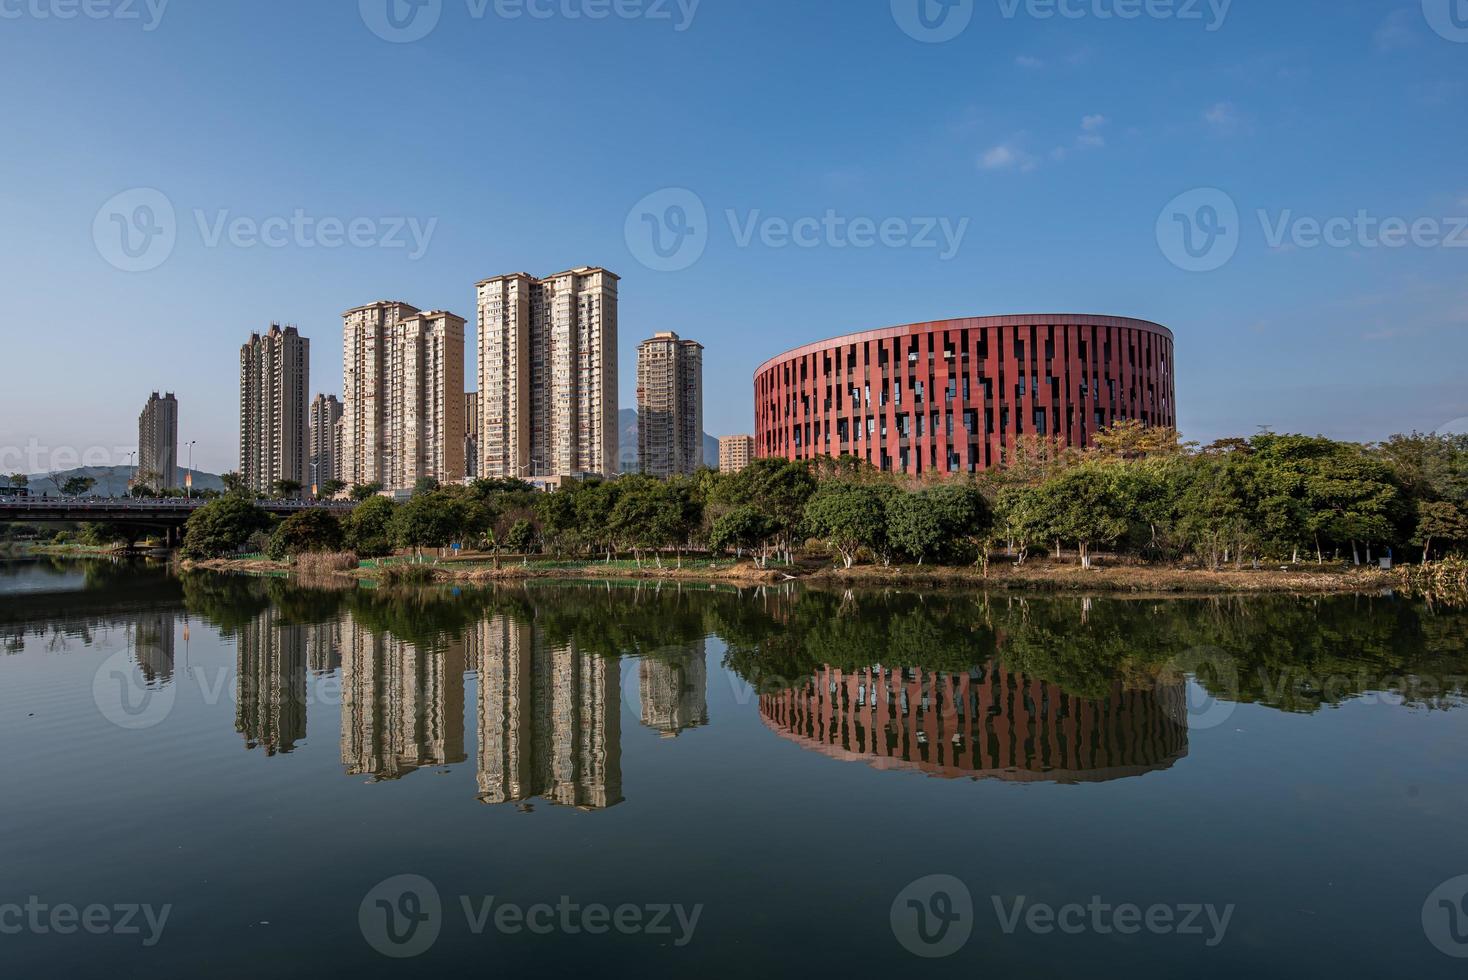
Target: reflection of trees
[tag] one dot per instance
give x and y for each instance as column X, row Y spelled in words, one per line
column 1292, row 654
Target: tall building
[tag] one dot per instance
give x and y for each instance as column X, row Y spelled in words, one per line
column 403, row 408
column 735, row 453
column 548, row 374
column 270, row 704
column 365, row 334
column 275, row 375
column 471, row 434
column 669, row 405
column 326, row 417
column 158, row 442
column 423, row 414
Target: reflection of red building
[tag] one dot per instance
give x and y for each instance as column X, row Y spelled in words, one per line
column 951, row 396
column 986, row 723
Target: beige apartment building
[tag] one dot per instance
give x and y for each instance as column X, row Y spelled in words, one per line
column 275, row 374
column 548, row 375
column 158, row 443
column 669, row 406
column 403, row 395
column 735, row 453
column 326, row 430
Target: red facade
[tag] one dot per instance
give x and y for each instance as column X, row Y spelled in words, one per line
column 954, row 395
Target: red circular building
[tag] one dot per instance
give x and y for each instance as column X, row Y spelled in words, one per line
column 951, row 396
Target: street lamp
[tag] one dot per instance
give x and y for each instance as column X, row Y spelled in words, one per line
column 189, row 476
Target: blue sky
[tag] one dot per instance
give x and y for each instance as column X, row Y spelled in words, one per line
column 1069, row 151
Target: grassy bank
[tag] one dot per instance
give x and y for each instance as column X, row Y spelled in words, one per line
column 1035, row 575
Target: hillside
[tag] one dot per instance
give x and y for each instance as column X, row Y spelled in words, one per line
column 111, row 481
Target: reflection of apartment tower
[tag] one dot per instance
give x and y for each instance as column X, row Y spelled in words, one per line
column 153, row 647
column 402, row 704
column 275, row 372
column 326, row 416
column 323, row 648
column 550, row 723
column 735, row 453
column 988, row 722
column 270, row 705
column 675, row 692
column 548, row 374
column 365, row 335
column 158, row 442
column 471, row 434
column 669, row 405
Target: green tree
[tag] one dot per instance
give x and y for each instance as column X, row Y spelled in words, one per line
column 330, row 488
column 1085, row 509
column 365, row 491
column 1439, row 521
column 222, row 527
column 850, row 517
column 78, row 486
column 305, row 532
column 430, row 520
column 425, row 484
column 742, row 529
column 368, row 528
column 915, row 526
column 285, row 489
column 521, row 538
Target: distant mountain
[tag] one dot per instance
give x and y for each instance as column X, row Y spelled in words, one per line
column 628, row 449
column 111, row 480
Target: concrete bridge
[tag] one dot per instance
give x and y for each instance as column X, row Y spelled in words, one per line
column 169, row 514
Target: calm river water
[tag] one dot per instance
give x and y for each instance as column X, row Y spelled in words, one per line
column 228, row 776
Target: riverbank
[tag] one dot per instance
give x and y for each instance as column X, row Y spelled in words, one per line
column 1034, row 575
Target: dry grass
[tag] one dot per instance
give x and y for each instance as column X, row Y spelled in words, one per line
column 325, row 563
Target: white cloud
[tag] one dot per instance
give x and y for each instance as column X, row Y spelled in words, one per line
column 1222, row 117
column 1006, row 156
column 1025, row 61
column 1091, row 127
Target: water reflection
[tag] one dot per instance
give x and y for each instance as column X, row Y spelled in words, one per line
column 987, row 722
column 952, row 685
column 550, row 719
